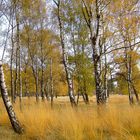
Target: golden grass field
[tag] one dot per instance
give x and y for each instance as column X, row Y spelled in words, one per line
column 115, row 121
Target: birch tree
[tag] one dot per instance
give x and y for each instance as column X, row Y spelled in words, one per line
column 64, row 53
column 12, row 116
column 94, row 20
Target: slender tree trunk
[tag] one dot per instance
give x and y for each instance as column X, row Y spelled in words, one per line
column 129, row 74
column 11, row 66
column 12, row 77
column 42, row 85
column 16, row 77
column 105, row 77
column 78, row 95
column 20, row 78
column 26, row 82
column 131, row 100
column 42, row 64
column 51, row 82
column 111, row 79
column 37, row 80
column 133, row 89
column 85, row 98
column 18, row 48
column 19, row 53
column 47, row 90
column 131, row 71
column 65, row 60
column 85, row 93
column 46, row 93
column 12, row 116
column 135, row 92
column 26, row 88
column 36, row 85
column 42, row 80
column 35, row 74
column 79, row 89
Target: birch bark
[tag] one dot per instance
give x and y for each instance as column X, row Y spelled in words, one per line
column 12, row 116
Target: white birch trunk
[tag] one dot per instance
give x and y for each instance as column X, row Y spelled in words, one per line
column 65, row 60
column 96, row 56
column 12, row 116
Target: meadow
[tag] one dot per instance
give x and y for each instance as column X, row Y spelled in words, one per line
column 115, row 121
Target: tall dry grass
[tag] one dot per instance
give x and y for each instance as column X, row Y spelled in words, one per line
column 115, row 121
